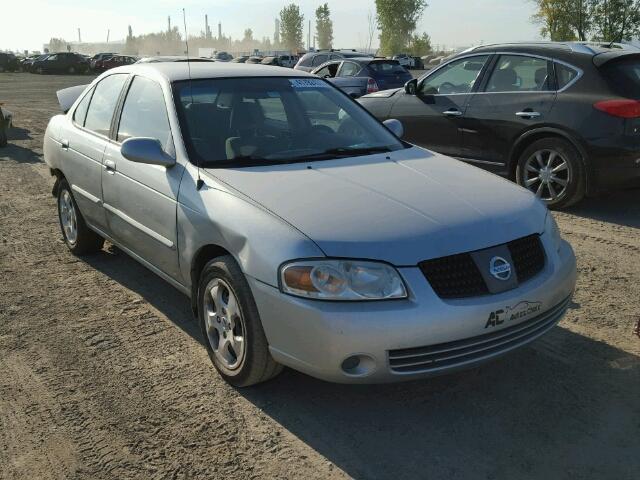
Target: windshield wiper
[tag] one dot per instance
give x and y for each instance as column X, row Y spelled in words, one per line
column 345, row 152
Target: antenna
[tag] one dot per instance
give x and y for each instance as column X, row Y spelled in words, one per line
column 199, row 182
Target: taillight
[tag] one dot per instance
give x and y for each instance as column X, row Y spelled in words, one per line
column 372, row 86
column 623, row 108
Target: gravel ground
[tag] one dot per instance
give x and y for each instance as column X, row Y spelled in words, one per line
column 104, row 374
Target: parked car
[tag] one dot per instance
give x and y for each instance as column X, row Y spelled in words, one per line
column 113, row 62
column 561, row 119
column 254, row 60
column 361, row 75
column 61, row 62
column 312, row 60
column 288, row 61
column 27, row 63
column 98, row 57
column 174, row 58
column 240, row 59
column 405, row 60
column 411, row 263
column 223, row 57
column 273, row 61
column 9, row 62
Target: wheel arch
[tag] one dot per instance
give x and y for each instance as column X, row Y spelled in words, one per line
column 55, row 172
column 527, row 138
column 205, row 254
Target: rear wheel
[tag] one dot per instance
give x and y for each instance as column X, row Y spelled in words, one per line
column 79, row 238
column 71, row 70
column 552, row 169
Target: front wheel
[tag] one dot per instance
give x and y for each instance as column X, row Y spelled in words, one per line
column 552, row 169
column 231, row 325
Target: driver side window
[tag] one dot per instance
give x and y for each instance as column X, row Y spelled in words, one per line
column 457, row 77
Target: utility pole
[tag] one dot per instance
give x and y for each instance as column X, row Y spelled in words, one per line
column 79, row 37
column 108, row 32
column 309, row 37
column 169, row 23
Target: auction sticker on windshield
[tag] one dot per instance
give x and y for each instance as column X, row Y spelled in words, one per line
column 308, row 83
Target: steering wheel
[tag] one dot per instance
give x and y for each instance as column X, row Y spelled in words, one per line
column 447, row 87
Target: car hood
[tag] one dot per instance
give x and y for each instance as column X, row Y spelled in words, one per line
column 402, row 208
column 383, row 93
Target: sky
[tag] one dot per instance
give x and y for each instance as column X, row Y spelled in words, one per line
column 28, row 24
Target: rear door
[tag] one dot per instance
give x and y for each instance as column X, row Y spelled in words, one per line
column 347, row 79
column 84, row 145
column 140, row 199
column 432, row 118
column 517, row 95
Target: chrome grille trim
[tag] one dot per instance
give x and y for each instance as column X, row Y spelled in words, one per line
column 462, row 352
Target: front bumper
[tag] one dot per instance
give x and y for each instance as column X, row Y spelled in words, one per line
column 316, row 337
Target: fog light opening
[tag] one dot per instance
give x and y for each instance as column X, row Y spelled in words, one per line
column 358, row 365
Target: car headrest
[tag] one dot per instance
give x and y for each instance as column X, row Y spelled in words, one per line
column 504, row 80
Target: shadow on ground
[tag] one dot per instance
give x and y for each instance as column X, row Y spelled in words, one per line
column 622, row 208
column 565, row 407
column 18, row 133
column 19, row 154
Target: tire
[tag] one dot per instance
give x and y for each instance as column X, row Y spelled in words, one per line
column 79, row 238
column 40, row 71
column 239, row 363
column 71, row 70
column 552, row 169
column 3, row 134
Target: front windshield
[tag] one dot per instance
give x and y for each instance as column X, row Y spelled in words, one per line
column 256, row 121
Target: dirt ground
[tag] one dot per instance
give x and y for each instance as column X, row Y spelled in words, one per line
column 103, row 374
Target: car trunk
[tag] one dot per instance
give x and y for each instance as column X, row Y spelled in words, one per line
column 389, row 74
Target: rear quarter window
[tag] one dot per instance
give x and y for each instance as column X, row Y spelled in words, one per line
column 387, row 67
column 623, row 77
column 565, row 75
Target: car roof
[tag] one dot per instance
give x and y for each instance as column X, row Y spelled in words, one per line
column 562, row 50
column 176, row 71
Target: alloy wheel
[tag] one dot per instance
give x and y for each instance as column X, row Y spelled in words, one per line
column 547, row 174
column 68, row 217
column 224, row 323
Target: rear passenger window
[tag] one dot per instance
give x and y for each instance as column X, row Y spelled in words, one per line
column 81, row 110
column 144, row 113
column 517, row 73
column 349, row 69
column 319, row 60
column 564, row 75
column 103, row 103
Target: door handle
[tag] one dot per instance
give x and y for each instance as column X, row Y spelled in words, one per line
column 528, row 114
column 452, row 113
column 110, row 166
column 64, row 144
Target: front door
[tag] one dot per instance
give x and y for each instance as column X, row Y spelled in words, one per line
column 140, row 200
column 432, row 117
column 518, row 94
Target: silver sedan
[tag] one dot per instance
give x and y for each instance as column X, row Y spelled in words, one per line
column 305, row 232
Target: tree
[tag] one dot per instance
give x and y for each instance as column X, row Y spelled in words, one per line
column 420, row 45
column 397, row 21
column 616, row 20
column 57, row 45
column 291, row 27
column 564, row 20
column 324, row 26
column 371, row 30
column 248, row 36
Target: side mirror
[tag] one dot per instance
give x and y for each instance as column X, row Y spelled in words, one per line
column 411, row 87
column 394, row 126
column 146, row 150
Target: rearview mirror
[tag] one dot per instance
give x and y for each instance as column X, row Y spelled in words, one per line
column 394, row 126
column 146, row 150
column 411, row 87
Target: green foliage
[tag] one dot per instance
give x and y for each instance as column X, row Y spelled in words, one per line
column 57, row 45
column 291, row 27
column 324, row 26
column 397, row 21
column 600, row 20
column 420, row 45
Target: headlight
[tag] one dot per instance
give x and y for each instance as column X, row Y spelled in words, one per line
column 551, row 228
column 341, row 280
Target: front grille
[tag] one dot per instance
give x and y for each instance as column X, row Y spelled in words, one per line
column 475, row 349
column 458, row 276
column 528, row 256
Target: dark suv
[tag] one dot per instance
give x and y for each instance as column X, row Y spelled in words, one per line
column 311, row 60
column 9, row 62
column 561, row 119
column 62, row 62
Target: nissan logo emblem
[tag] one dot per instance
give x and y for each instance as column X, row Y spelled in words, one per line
column 500, row 268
